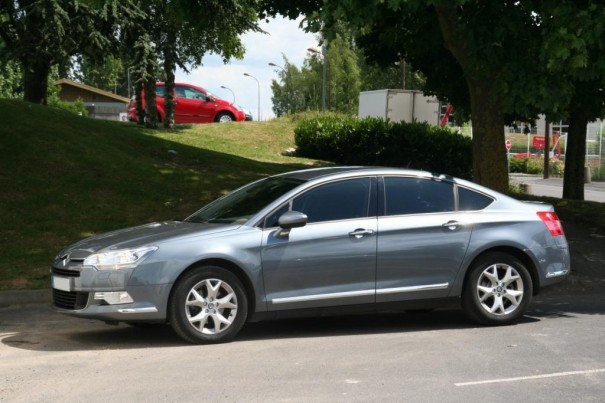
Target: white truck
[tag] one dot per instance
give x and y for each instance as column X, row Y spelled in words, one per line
column 400, row 106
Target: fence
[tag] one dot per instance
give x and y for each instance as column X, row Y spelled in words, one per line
column 531, row 146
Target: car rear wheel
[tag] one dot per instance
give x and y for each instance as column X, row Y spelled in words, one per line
column 498, row 290
column 224, row 117
column 208, row 305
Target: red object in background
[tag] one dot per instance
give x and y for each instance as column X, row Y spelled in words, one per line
column 507, row 144
column 192, row 104
column 539, row 142
column 446, row 117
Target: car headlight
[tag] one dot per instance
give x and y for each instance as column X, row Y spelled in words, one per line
column 119, row 259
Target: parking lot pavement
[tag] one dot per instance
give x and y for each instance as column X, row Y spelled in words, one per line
column 554, row 354
column 553, row 187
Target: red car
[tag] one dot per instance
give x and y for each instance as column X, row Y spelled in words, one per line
column 192, row 104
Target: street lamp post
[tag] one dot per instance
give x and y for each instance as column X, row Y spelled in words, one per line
column 229, row 89
column 287, row 86
column 324, row 73
column 258, row 84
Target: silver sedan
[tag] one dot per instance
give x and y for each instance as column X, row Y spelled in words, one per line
column 320, row 241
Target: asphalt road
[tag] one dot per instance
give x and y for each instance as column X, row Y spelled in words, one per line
column 553, row 187
column 556, row 354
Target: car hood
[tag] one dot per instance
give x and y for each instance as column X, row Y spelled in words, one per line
column 151, row 233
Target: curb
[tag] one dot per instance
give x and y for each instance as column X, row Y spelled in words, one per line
column 25, row 297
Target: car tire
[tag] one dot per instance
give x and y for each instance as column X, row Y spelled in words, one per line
column 224, row 117
column 498, row 290
column 208, row 305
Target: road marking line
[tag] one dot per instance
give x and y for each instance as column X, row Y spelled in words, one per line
column 527, row 378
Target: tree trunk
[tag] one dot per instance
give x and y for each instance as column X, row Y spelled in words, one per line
column 35, row 81
column 139, row 98
column 169, row 101
column 575, row 157
column 151, row 111
column 489, row 150
column 169, row 67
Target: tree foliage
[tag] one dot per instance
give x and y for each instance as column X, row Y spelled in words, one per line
column 183, row 31
column 574, row 55
column 348, row 72
column 10, row 80
column 43, row 33
column 496, row 60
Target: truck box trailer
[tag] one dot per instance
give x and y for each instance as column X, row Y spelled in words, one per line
column 399, row 106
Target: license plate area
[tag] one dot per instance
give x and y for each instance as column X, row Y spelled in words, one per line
column 61, row 283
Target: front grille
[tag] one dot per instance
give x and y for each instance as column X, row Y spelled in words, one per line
column 69, row 300
column 65, row 272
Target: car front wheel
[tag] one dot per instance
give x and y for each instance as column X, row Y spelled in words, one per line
column 224, row 117
column 498, row 290
column 208, row 305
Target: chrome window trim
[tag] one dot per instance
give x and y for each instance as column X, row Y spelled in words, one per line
column 319, row 297
column 362, row 293
column 414, row 288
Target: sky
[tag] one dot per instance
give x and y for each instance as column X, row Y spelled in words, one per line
column 284, row 37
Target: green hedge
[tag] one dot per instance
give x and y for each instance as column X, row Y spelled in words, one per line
column 535, row 166
column 373, row 141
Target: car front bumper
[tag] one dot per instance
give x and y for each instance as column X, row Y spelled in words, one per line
column 106, row 295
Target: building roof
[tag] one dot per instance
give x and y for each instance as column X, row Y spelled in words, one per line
column 84, row 87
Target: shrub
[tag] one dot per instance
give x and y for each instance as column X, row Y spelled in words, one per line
column 536, row 166
column 77, row 107
column 374, row 141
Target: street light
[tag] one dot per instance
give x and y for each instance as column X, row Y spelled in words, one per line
column 324, row 73
column 258, row 84
column 232, row 93
column 286, row 81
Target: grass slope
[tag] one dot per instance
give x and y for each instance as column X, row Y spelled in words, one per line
column 65, row 177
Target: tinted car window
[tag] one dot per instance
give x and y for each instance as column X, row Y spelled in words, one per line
column 341, row 200
column 189, row 93
column 417, row 196
column 243, row 203
column 160, row 90
column 469, row 200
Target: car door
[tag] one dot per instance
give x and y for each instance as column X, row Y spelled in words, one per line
column 192, row 106
column 422, row 239
column 332, row 259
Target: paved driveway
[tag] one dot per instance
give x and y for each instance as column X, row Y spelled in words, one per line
column 555, row 354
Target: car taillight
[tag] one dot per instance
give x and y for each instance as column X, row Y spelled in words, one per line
column 550, row 219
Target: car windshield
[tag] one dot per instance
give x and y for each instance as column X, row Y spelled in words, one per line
column 242, row 204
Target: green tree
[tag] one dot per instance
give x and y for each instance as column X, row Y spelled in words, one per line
column 574, row 56
column 343, row 74
column 183, row 31
column 105, row 74
column 376, row 76
column 496, row 61
column 10, row 80
column 299, row 90
column 43, row 33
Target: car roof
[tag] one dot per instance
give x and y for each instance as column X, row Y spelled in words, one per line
column 346, row 171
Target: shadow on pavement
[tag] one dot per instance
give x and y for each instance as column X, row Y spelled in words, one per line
column 37, row 328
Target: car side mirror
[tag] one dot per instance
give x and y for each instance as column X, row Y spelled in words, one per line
column 289, row 220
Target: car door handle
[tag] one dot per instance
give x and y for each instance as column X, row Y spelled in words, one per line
column 452, row 225
column 361, row 232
